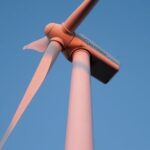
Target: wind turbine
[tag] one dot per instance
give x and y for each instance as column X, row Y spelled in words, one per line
column 87, row 59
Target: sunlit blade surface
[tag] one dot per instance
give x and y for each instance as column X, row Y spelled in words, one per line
column 39, row 76
column 39, row 45
column 76, row 18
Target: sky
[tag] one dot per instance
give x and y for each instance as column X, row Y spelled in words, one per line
column 121, row 108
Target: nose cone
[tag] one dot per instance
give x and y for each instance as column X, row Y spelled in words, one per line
column 48, row 28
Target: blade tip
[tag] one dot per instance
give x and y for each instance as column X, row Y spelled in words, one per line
column 24, row 48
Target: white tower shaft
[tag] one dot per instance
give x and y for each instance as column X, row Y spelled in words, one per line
column 79, row 128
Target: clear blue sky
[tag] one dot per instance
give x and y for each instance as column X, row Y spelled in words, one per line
column 121, row 109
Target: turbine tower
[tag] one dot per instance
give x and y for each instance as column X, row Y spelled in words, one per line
column 87, row 59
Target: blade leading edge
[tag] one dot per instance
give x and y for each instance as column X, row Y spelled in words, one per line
column 45, row 64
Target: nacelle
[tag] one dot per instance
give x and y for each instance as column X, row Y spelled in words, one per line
column 103, row 66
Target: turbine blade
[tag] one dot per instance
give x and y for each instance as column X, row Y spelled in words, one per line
column 39, row 45
column 46, row 63
column 76, row 18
